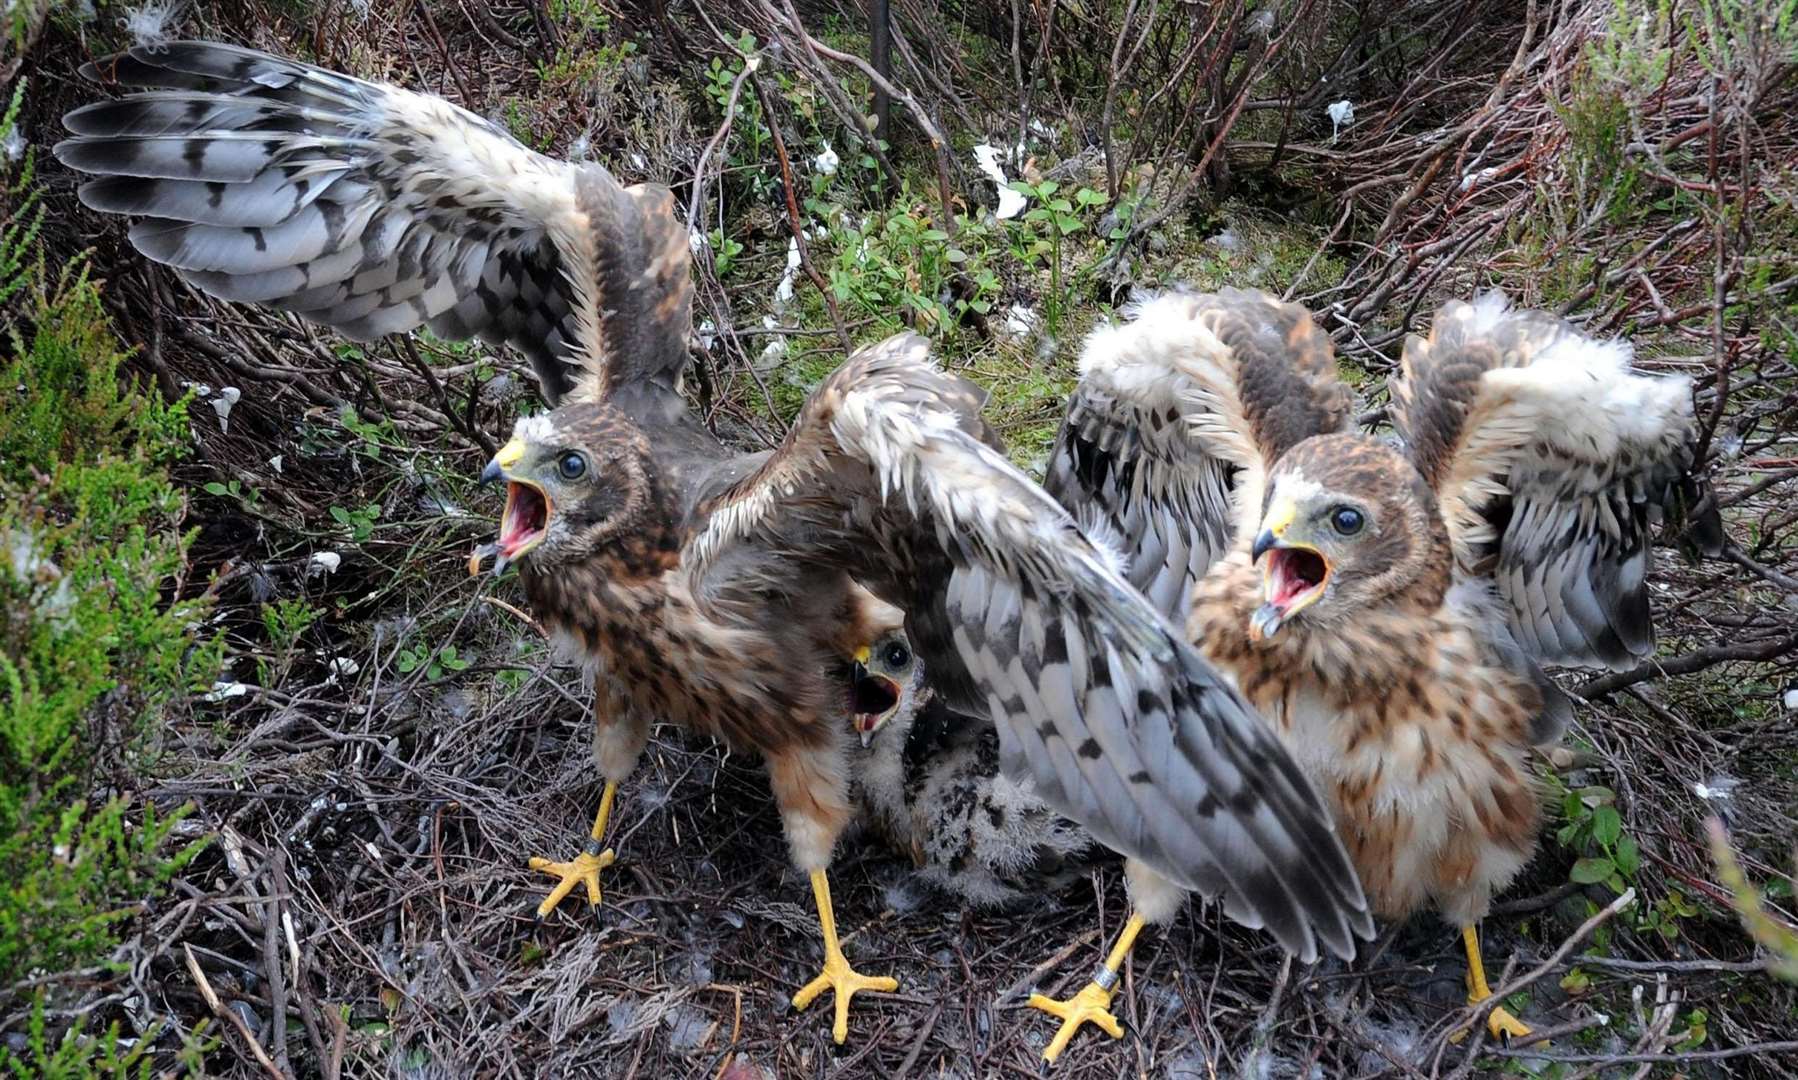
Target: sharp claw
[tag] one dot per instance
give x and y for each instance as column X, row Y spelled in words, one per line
column 1090, row 1005
column 844, row 982
column 584, row 870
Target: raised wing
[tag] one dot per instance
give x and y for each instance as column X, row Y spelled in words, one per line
column 1177, row 408
column 376, row 210
column 890, row 474
column 1552, row 460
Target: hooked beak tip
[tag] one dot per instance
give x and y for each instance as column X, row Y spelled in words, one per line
column 1264, row 543
column 492, row 472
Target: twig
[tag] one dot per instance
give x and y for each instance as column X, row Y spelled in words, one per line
column 219, row 1010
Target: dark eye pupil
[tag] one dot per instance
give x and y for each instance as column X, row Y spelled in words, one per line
column 1348, row 521
column 573, row 465
column 897, row 655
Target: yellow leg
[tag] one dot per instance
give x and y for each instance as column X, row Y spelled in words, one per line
column 1503, row 1026
column 585, row 868
column 1091, row 1004
column 837, row 975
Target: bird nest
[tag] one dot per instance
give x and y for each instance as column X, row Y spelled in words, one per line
column 377, row 765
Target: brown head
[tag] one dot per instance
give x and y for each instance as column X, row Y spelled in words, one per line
column 579, row 480
column 1348, row 524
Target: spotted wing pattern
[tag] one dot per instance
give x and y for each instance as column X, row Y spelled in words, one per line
column 889, row 473
column 1553, row 460
column 1178, row 413
column 376, row 210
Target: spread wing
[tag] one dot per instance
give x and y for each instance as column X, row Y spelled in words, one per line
column 376, row 210
column 890, row 474
column 1187, row 402
column 1552, row 460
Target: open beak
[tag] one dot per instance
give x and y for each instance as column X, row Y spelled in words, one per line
column 875, row 698
column 525, row 521
column 1293, row 577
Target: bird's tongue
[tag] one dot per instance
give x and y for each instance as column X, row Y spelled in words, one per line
column 1293, row 572
column 527, row 511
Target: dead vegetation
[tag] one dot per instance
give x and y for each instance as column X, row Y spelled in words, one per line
column 392, row 739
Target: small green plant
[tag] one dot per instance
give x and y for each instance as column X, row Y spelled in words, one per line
column 285, row 622
column 358, row 522
column 435, row 662
column 1052, row 219
column 1594, row 829
column 232, row 489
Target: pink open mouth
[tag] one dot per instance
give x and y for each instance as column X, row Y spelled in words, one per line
column 1293, row 575
column 522, row 526
column 872, row 700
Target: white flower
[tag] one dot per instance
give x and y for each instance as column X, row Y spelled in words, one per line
column 325, row 562
column 826, row 163
column 13, row 145
column 1011, row 203
column 1341, row 114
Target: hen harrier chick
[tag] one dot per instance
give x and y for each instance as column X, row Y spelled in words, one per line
column 1385, row 608
column 929, row 782
column 704, row 587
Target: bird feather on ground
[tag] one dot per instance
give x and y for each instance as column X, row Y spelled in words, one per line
column 718, row 590
column 1386, row 607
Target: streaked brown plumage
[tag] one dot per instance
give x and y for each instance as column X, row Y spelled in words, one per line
column 1386, row 608
column 717, row 590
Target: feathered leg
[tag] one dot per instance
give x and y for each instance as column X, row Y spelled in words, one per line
column 616, row 747
column 1499, row 1021
column 811, row 790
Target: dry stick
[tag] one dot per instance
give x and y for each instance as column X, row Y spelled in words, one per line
column 937, row 143
column 794, row 221
column 219, row 1010
column 1119, row 67
column 1685, row 664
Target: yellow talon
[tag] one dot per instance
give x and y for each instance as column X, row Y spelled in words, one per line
column 585, row 868
column 845, row 982
column 1500, row 1022
column 1092, row 1004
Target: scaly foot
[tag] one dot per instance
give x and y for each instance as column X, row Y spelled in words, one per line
column 1506, row 1028
column 1090, row 1005
column 584, row 870
column 845, row 982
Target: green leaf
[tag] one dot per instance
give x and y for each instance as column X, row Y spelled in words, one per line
column 340, row 515
column 1591, row 871
column 1607, row 825
column 1628, row 856
column 216, row 488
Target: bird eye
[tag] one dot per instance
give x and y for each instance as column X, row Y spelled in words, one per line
column 572, row 465
column 1346, row 520
column 897, row 655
